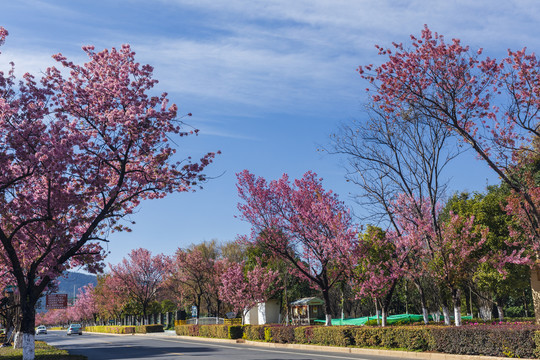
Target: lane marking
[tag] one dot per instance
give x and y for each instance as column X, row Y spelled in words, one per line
column 268, row 350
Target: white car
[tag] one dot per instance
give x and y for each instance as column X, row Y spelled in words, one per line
column 41, row 329
column 74, row 329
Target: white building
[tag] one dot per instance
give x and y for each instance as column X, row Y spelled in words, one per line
column 264, row 313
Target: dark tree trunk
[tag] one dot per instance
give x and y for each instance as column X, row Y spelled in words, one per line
column 327, row 307
column 422, row 301
column 27, row 325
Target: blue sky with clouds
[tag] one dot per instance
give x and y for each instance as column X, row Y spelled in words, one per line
column 267, row 82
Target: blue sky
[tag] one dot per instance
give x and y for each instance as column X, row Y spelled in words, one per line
column 267, row 82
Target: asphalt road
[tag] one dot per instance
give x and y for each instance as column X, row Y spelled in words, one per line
column 132, row 347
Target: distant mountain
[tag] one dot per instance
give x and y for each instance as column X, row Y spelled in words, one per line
column 70, row 284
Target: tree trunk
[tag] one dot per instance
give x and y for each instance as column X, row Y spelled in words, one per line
column 199, row 310
column 383, row 316
column 446, row 313
column 422, row 301
column 525, row 304
column 535, row 289
column 27, row 328
column 456, row 299
column 436, row 316
column 500, row 312
column 485, row 312
column 386, row 304
column 327, row 308
column 218, row 308
column 17, row 340
column 286, row 299
column 484, row 306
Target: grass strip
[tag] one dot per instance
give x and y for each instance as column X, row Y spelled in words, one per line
column 43, row 352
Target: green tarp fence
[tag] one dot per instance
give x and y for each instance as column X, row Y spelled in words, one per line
column 392, row 319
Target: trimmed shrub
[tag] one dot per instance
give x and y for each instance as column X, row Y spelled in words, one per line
column 333, row 335
column 146, row 329
column 111, row 329
column 214, row 331
column 500, row 340
column 368, row 336
column 187, row 330
column 411, row 338
column 496, row 321
column 507, row 340
column 303, row 334
column 536, row 339
column 324, row 335
column 406, row 337
column 236, row 331
column 279, row 334
column 254, row 332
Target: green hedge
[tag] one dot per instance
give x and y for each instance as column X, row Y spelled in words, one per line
column 530, row 320
column 303, row 334
column 146, row 329
column 510, row 341
column 254, row 332
column 213, row 331
column 400, row 337
column 279, row 334
column 122, row 329
column 236, row 331
column 118, row 329
column 187, row 330
column 325, row 335
column 520, row 340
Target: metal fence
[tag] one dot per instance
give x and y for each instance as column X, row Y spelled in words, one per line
column 206, row 321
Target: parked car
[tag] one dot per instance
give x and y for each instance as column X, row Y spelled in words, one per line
column 41, row 329
column 74, row 329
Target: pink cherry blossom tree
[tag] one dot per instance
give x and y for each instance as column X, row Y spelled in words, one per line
column 491, row 105
column 110, row 299
column 140, row 276
column 244, row 289
column 85, row 306
column 193, row 275
column 301, row 223
column 450, row 250
column 380, row 262
column 80, row 149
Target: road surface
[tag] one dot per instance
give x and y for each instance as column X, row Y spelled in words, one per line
column 135, row 347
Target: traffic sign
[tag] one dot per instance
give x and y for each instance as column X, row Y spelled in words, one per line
column 56, row 301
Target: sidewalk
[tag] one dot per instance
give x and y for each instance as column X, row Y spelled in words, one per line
column 319, row 348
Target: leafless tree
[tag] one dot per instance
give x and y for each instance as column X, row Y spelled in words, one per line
column 387, row 156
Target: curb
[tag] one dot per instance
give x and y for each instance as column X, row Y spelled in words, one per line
column 320, row 348
column 351, row 350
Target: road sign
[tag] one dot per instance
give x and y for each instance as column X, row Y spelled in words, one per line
column 56, row 301
column 193, row 311
column 231, row 315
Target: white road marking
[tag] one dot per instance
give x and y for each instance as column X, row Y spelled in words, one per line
column 326, row 356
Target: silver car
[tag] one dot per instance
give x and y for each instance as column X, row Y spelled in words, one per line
column 41, row 329
column 74, row 329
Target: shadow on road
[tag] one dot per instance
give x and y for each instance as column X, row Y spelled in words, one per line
column 132, row 352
